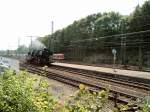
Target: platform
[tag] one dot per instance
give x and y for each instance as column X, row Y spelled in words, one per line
column 127, row 73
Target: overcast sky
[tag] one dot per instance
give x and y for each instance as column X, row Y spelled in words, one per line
column 21, row 18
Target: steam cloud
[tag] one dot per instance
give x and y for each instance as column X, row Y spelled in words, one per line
column 37, row 45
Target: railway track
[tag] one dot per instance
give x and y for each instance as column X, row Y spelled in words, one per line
column 118, row 90
column 91, row 74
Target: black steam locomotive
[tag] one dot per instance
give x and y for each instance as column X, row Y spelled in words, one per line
column 40, row 57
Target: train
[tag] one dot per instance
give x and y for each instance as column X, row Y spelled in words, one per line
column 43, row 57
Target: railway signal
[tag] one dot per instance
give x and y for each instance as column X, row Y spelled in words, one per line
column 114, row 52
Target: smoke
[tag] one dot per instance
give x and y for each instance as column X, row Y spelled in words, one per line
column 37, row 45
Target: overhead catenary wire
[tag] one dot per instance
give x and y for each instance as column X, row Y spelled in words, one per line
column 117, row 35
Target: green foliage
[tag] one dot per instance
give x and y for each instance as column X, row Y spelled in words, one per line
column 24, row 93
column 145, row 105
column 140, row 105
column 92, row 26
column 86, row 101
column 108, row 24
column 140, row 18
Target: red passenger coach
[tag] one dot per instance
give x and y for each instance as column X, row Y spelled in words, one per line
column 58, row 56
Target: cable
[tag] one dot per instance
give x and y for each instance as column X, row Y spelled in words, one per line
column 118, row 35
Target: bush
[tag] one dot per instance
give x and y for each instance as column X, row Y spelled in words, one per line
column 24, row 93
column 27, row 93
column 86, row 101
column 145, row 105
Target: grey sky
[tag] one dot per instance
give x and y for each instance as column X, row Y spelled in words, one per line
column 21, row 18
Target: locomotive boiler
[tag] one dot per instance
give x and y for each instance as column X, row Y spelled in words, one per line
column 40, row 57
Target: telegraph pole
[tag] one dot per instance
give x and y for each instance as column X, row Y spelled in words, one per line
column 140, row 53
column 31, row 42
column 123, row 46
column 52, row 28
column 30, row 47
column 18, row 46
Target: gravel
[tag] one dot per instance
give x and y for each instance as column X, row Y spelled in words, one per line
column 60, row 90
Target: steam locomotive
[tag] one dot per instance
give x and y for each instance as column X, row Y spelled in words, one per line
column 40, row 57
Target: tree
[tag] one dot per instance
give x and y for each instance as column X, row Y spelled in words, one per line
column 135, row 20
column 108, row 24
column 140, row 18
